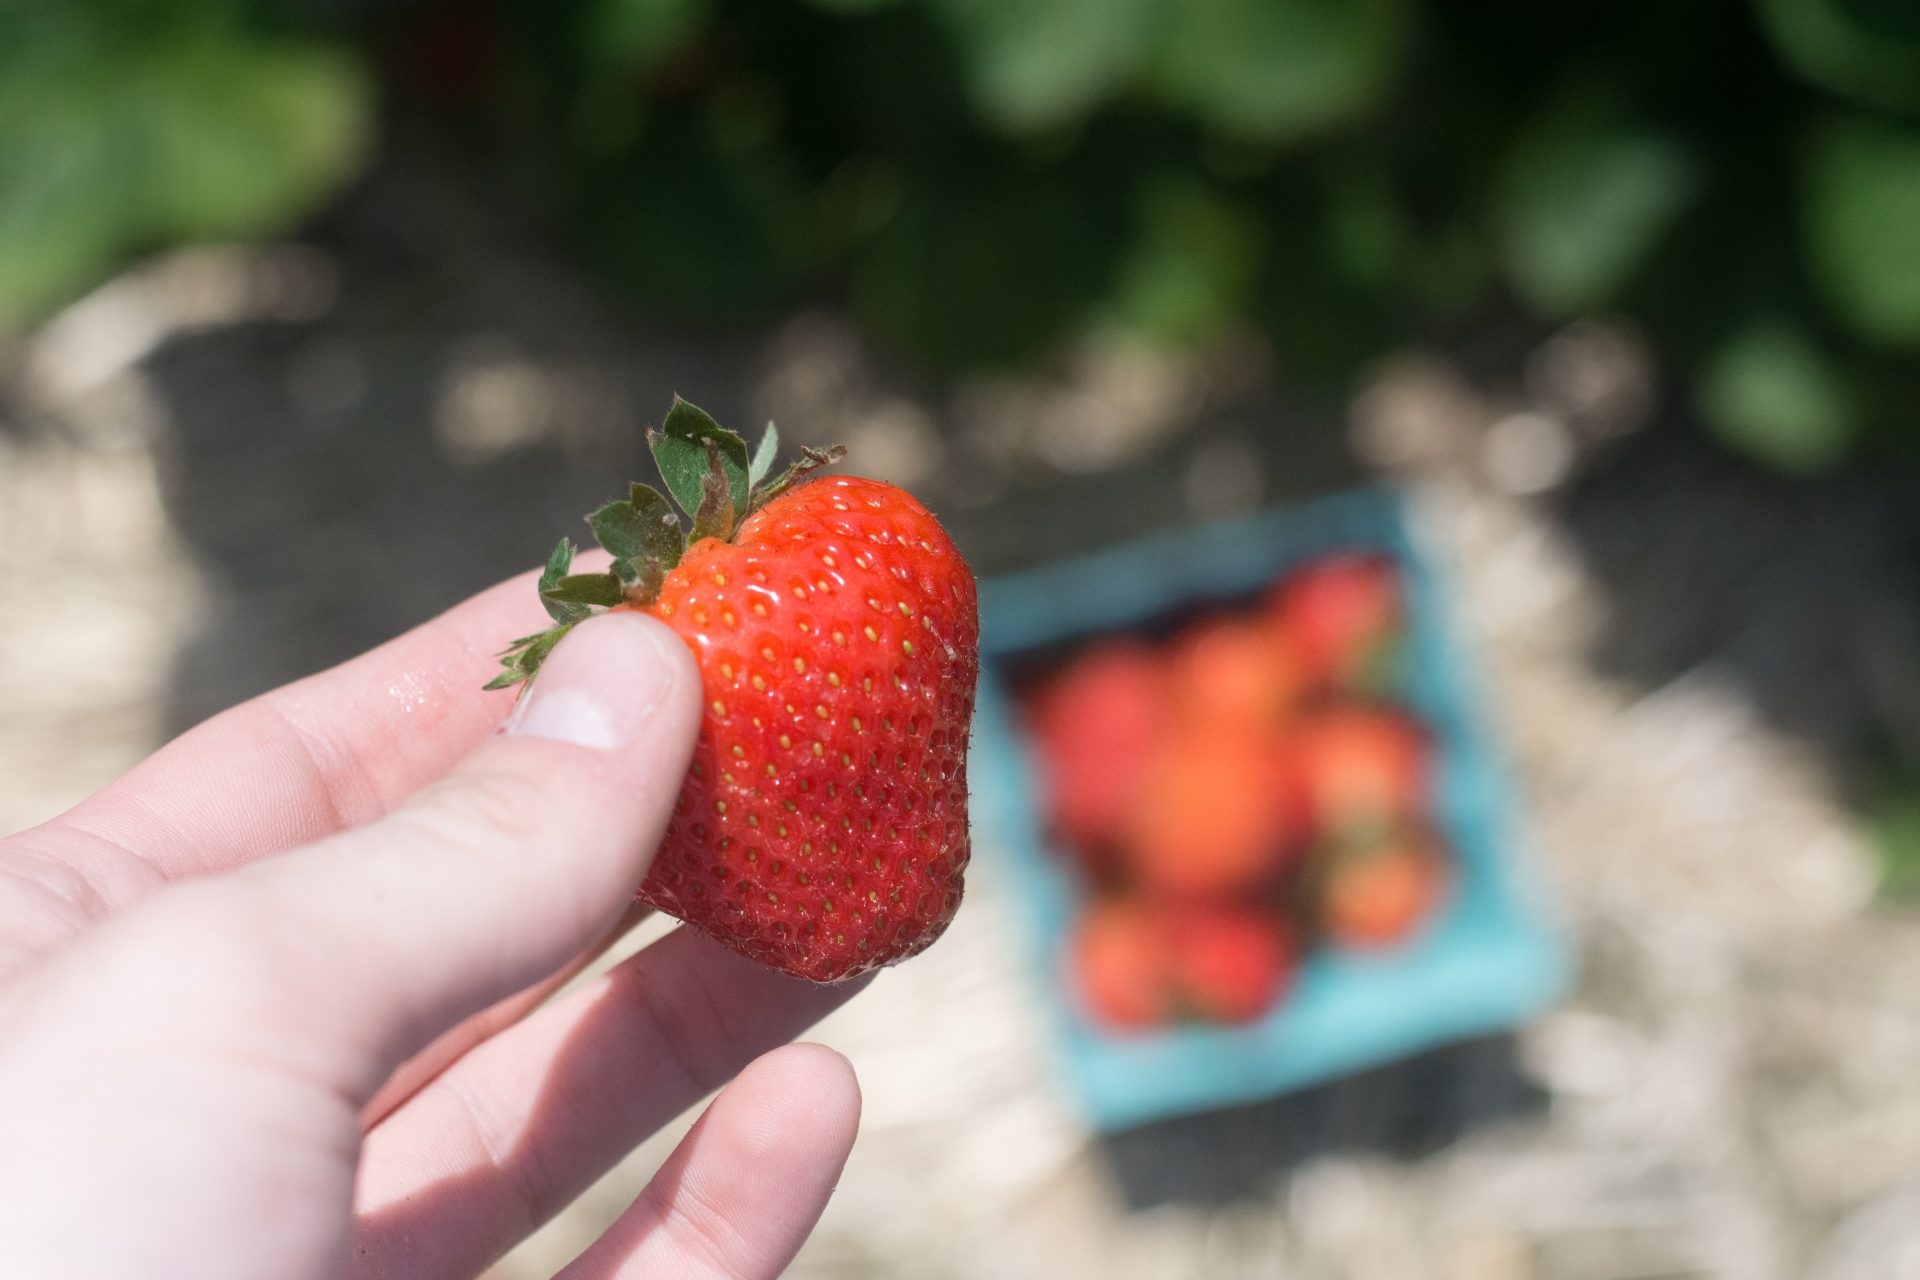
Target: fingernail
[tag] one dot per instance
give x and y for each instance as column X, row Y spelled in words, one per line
column 601, row 684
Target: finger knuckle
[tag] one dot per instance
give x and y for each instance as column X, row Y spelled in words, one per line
column 706, row 1237
column 482, row 813
column 205, row 942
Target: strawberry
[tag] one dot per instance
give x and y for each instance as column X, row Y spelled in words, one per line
column 1232, row 670
column 1229, row 961
column 1375, row 896
column 1137, row 963
column 1358, row 769
column 1118, row 965
column 822, row 826
column 1096, row 723
column 1209, row 819
column 1343, row 615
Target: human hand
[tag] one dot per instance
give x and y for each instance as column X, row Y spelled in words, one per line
column 267, row 1004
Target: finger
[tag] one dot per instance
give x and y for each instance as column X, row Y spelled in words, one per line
column 739, row 1195
column 318, row 756
column 328, row 752
column 342, row 958
column 518, row 1128
column 423, row 1066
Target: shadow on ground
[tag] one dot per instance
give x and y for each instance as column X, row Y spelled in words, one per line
column 1806, row 593
column 1404, row 1110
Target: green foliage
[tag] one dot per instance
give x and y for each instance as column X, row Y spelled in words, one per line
column 983, row 179
column 126, row 126
column 1867, row 50
column 987, row 263
column 1777, row 397
column 1278, row 70
column 1193, row 265
column 1863, row 226
column 1586, row 192
column 709, row 222
column 1042, row 63
column 1896, row 830
column 642, row 526
column 637, row 35
column 689, row 446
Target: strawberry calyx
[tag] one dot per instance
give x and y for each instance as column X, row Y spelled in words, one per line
column 708, row 472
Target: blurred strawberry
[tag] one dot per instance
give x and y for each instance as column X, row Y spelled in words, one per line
column 1376, row 896
column 1223, row 670
column 1360, row 769
column 1210, row 817
column 1230, row 962
column 1097, row 723
column 1136, row 963
column 1118, row 964
column 1343, row 616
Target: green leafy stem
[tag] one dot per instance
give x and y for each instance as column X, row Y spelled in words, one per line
column 707, row 470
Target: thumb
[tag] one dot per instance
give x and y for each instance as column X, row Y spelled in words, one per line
column 362, row 948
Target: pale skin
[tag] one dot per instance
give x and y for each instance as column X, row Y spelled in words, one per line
column 274, row 1004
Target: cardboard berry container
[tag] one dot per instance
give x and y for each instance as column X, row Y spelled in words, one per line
column 1488, row 958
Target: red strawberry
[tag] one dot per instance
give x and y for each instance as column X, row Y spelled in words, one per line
column 1118, row 965
column 1359, row 769
column 1210, row 819
column 822, row 828
column 1136, row 963
column 1096, row 723
column 1342, row 614
column 1230, row 962
column 1377, row 896
column 1233, row 670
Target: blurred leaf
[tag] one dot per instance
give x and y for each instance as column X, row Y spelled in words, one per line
column 1449, row 269
column 869, row 94
column 1896, row 832
column 620, row 43
column 1366, row 230
column 1278, row 70
column 1887, row 19
column 1585, row 193
column 63, row 194
column 1863, row 226
column 985, row 264
column 1032, row 64
column 245, row 139
column 1190, row 272
column 1770, row 393
column 1866, row 49
column 105, row 150
column 1325, row 322
column 710, row 229
column 851, row 6
column 639, row 34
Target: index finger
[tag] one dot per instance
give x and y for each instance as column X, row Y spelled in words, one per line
column 324, row 754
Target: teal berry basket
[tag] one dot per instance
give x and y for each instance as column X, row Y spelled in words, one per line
column 1489, row 958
